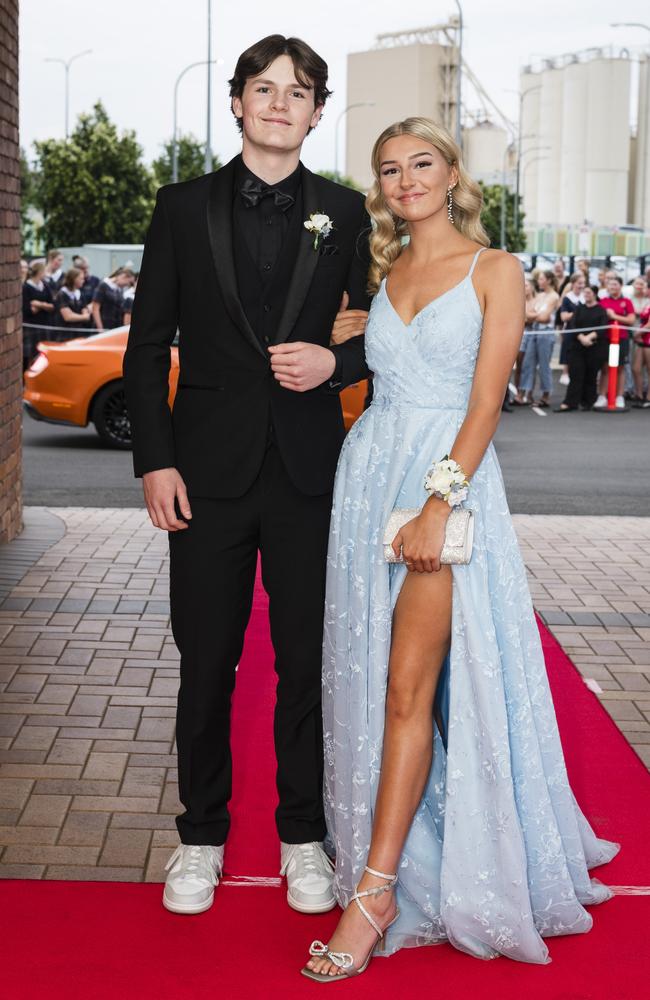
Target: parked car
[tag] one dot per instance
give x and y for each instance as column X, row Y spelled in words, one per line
column 80, row 382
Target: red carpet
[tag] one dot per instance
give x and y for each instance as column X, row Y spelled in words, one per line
column 100, row 940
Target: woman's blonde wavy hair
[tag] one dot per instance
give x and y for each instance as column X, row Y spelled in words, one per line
column 388, row 230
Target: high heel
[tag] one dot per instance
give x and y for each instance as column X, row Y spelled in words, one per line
column 342, row 959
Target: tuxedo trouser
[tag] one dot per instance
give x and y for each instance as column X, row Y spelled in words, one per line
column 212, row 575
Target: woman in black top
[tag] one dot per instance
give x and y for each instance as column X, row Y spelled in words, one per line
column 38, row 307
column 586, row 351
column 71, row 311
column 108, row 300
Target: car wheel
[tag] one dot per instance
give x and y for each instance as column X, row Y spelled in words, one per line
column 110, row 416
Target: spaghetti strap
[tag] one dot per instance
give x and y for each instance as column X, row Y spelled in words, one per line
column 476, row 256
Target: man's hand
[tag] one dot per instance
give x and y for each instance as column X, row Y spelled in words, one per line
column 161, row 487
column 301, row 366
column 348, row 322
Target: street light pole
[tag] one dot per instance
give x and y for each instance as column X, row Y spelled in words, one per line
column 535, row 159
column 358, row 104
column 522, row 96
column 459, row 84
column 207, row 166
column 180, row 76
column 503, row 197
column 66, row 65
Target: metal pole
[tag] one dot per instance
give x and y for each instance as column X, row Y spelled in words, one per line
column 66, row 65
column 503, row 198
column 459, row 85
column 522, row 97
column 208, row 135
column 180, row 76
column 358, row 104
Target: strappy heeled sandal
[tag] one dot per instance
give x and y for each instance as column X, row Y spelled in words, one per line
column 342, row 959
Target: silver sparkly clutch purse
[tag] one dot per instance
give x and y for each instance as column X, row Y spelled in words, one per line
column 459, row 535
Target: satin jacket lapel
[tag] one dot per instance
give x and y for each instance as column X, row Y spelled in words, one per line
column 220, row 235
column 306, row 259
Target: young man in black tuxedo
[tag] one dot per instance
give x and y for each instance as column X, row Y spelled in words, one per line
column 245, row 462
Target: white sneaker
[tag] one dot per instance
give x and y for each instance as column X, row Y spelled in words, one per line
column 194, row 871
column 620, row 402
column 600, row 403
column 564, row 379
column 310, row 877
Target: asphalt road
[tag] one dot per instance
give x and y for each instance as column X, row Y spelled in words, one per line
column 574, row 463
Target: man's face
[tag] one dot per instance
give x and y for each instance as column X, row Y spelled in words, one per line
column 558, row 268
column 276, row 111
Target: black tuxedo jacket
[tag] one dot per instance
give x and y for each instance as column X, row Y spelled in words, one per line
column 227, row 396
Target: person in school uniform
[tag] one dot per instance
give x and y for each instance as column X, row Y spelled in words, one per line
column 71, row 312
column 108, row 299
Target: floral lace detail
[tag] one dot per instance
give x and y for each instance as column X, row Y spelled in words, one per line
column 498, row 853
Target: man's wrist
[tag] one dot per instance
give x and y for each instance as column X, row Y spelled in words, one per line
column 335, row 380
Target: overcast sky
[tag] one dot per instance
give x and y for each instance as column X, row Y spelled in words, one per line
column 140, row 46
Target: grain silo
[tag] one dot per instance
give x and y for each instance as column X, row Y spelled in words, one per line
column 641, row 203
column 484, row 150
column 407, row 73
column 578, row 119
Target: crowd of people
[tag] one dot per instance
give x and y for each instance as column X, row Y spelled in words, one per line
column 578, row 313
column 72, row 300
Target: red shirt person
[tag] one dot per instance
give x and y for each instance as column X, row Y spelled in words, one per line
column 620, row 309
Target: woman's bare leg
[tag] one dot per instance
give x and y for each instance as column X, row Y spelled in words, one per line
column 420, row 641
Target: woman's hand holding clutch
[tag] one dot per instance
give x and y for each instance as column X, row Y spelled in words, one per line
column 421, row 540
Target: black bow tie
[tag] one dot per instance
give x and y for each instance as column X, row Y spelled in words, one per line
column 252, row 191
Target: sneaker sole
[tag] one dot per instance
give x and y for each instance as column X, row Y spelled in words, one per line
column 187, row 908
column 310, row 907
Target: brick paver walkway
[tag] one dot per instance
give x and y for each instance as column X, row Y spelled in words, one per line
column 89, row 674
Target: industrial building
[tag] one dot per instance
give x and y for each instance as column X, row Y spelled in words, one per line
column 581, row 160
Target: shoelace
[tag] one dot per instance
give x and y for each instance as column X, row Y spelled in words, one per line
column 195, row 862
column 307, row 857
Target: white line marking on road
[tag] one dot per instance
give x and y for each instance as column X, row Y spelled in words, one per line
column 593, row 685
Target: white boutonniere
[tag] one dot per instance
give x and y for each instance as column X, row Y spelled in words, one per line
column 320, row 225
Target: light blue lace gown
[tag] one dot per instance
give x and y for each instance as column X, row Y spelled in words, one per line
column 498, row 853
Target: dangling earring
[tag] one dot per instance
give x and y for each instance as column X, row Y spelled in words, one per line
column 450, row 205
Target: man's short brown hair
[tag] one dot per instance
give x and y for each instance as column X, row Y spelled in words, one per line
column 311, row 69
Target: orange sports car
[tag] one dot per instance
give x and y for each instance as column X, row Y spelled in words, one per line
column 79, row 381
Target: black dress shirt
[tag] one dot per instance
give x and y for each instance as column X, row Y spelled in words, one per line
column 264, row 226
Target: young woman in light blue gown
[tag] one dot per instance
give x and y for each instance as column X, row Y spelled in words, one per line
column 446, row 793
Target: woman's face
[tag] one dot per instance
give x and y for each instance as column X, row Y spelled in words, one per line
column 558, row 268
column 79, row 280
column 590, row 298
column 414, row 178
column 640, row 287
column 579, row 284
column 542, row 282
column 24, row 270
column 530, row 288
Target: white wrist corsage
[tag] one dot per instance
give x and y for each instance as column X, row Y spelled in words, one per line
column 447, row 481
column 320, row 225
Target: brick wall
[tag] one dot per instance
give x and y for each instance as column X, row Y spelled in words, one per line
column 10, row 291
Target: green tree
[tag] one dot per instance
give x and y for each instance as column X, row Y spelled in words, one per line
column 28, row 183
column 94, row 187
column 491, row 218
column 191, row 160
column 344, row 179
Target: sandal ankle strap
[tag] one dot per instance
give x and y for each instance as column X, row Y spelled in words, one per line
column 389, row 878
